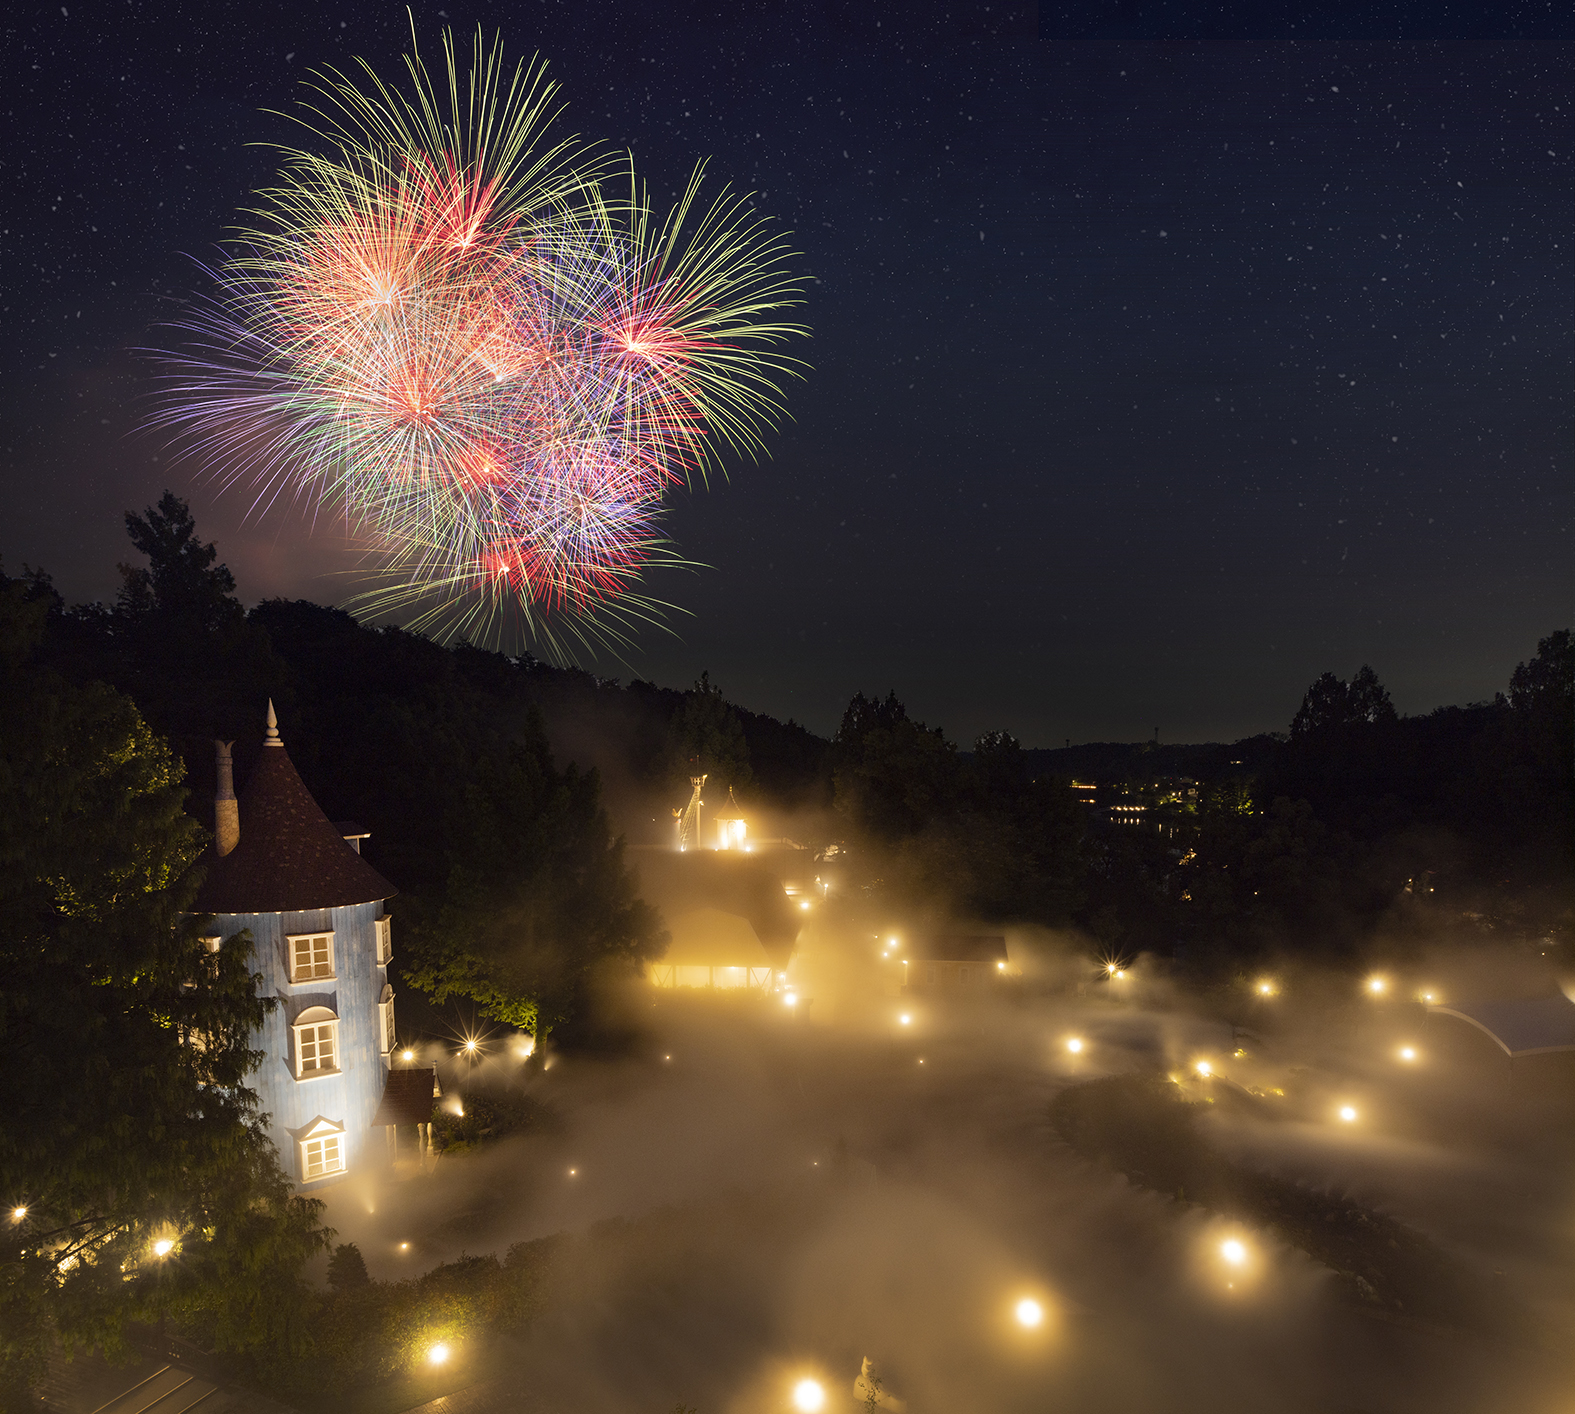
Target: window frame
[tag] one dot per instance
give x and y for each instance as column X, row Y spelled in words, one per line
column 321, row 1133
column 386, row 1033
column 331, row 975
column 313, row 1018
column 385, row 940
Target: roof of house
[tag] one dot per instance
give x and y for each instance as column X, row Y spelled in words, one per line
column 1527, row 1026
column 712, row 937
column 956, row 948
column 290, row 857
column 407, row 1097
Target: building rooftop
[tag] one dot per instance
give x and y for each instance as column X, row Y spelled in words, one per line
column 290, row 856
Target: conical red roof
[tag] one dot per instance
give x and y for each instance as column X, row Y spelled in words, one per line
column 290, row 857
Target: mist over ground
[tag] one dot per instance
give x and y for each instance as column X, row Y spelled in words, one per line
column 756, row 1194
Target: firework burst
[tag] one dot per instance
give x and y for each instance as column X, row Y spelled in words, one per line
column 487, row 353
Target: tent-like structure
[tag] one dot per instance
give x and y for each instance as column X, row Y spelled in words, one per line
column 712, row 948
column 1527, row 1026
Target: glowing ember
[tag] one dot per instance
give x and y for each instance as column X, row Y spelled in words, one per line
column 809, row 1395
column 1029, row 1312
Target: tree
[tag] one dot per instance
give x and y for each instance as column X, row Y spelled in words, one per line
column 538, row 897
column 707, row 738
column 1330, row 704
column 128, row 1123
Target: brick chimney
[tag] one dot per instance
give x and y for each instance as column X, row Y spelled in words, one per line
column 226, row 810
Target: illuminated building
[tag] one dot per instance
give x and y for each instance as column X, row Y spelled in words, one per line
column 955, row 965
column 732, row 832
column 322, row 942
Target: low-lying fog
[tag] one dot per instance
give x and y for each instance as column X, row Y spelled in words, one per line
column 818, row 1184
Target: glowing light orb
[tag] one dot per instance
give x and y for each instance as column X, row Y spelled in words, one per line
column 804, row 903
column 1205, row 1069
column 408, row 1055
column 791, row 999
column 809, row 1395
column 1119, row 974
column 905, row 1019
column 470, row 1047
column 17, row 1214
column 438, row 1354
column 573, row 1172
column 404, row 1246
column 1348, row 1113
column 1265, row 989
column 1377, row 986
column 1075, row 1045
column 163, row 1247
column 1233, row 1252
column 1429, row 998
column 1029, row 1312
column 1408, row 1053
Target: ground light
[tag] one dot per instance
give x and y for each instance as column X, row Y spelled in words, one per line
column 1233, row 1251
column 1029, row 1312
column 1348, row 1113
column 438, row 1354
column 163, row 1247
column 1408, row 1053
column 1377, row 986
column 1075, row 1045
column 809, row 1395
column 1205, row 1069
column 905, row 1019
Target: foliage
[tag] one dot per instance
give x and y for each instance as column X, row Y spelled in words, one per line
column 486, row 1115
column 1332, row 705
column 706, row 737
column 128, row 1042
column 1144, row 1126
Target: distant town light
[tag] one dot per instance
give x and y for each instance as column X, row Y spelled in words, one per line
column 809, row 1395
column 1348, row 1113
column 1075, row 1045
column 438, row 1353
column 1233, row 1252
column 1029, row 1312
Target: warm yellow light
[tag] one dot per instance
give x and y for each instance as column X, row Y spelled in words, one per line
column 404, row 1246
column 17, row 1214
column 1110, row 967
column 1000, row 967
column 409, row 1055
column 809, row 1395
column 1233, row 1252
column 1348, row 1113
column 163, row 1247
column 1204, row 1068
column 1408, row 1053
column 790, row 999
column 1266, row 989
column 891, row 942
column 1075, row 1045
column 905, row 1019
column 470, row 1045
column 438, row 1354
column 1429, row 998
column 573, row 1172
column 804, row 903
column 1119, row 974
column 1029, row 1312
column 1376, row 985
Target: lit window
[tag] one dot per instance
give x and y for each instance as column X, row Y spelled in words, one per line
column 311, row 956
column 316, row 1043
column 385, row 1019
column 322, row 1151
column 385, row 940
column 211, row 943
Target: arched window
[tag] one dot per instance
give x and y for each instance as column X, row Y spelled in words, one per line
column 385, row 1018
column 316, row 1043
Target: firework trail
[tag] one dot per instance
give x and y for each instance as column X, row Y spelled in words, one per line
column 488, row 354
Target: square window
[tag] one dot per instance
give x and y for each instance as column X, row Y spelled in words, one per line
column 311, row 956
column 322, row 1156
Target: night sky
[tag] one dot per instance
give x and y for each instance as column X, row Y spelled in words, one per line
column 1149, row 379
